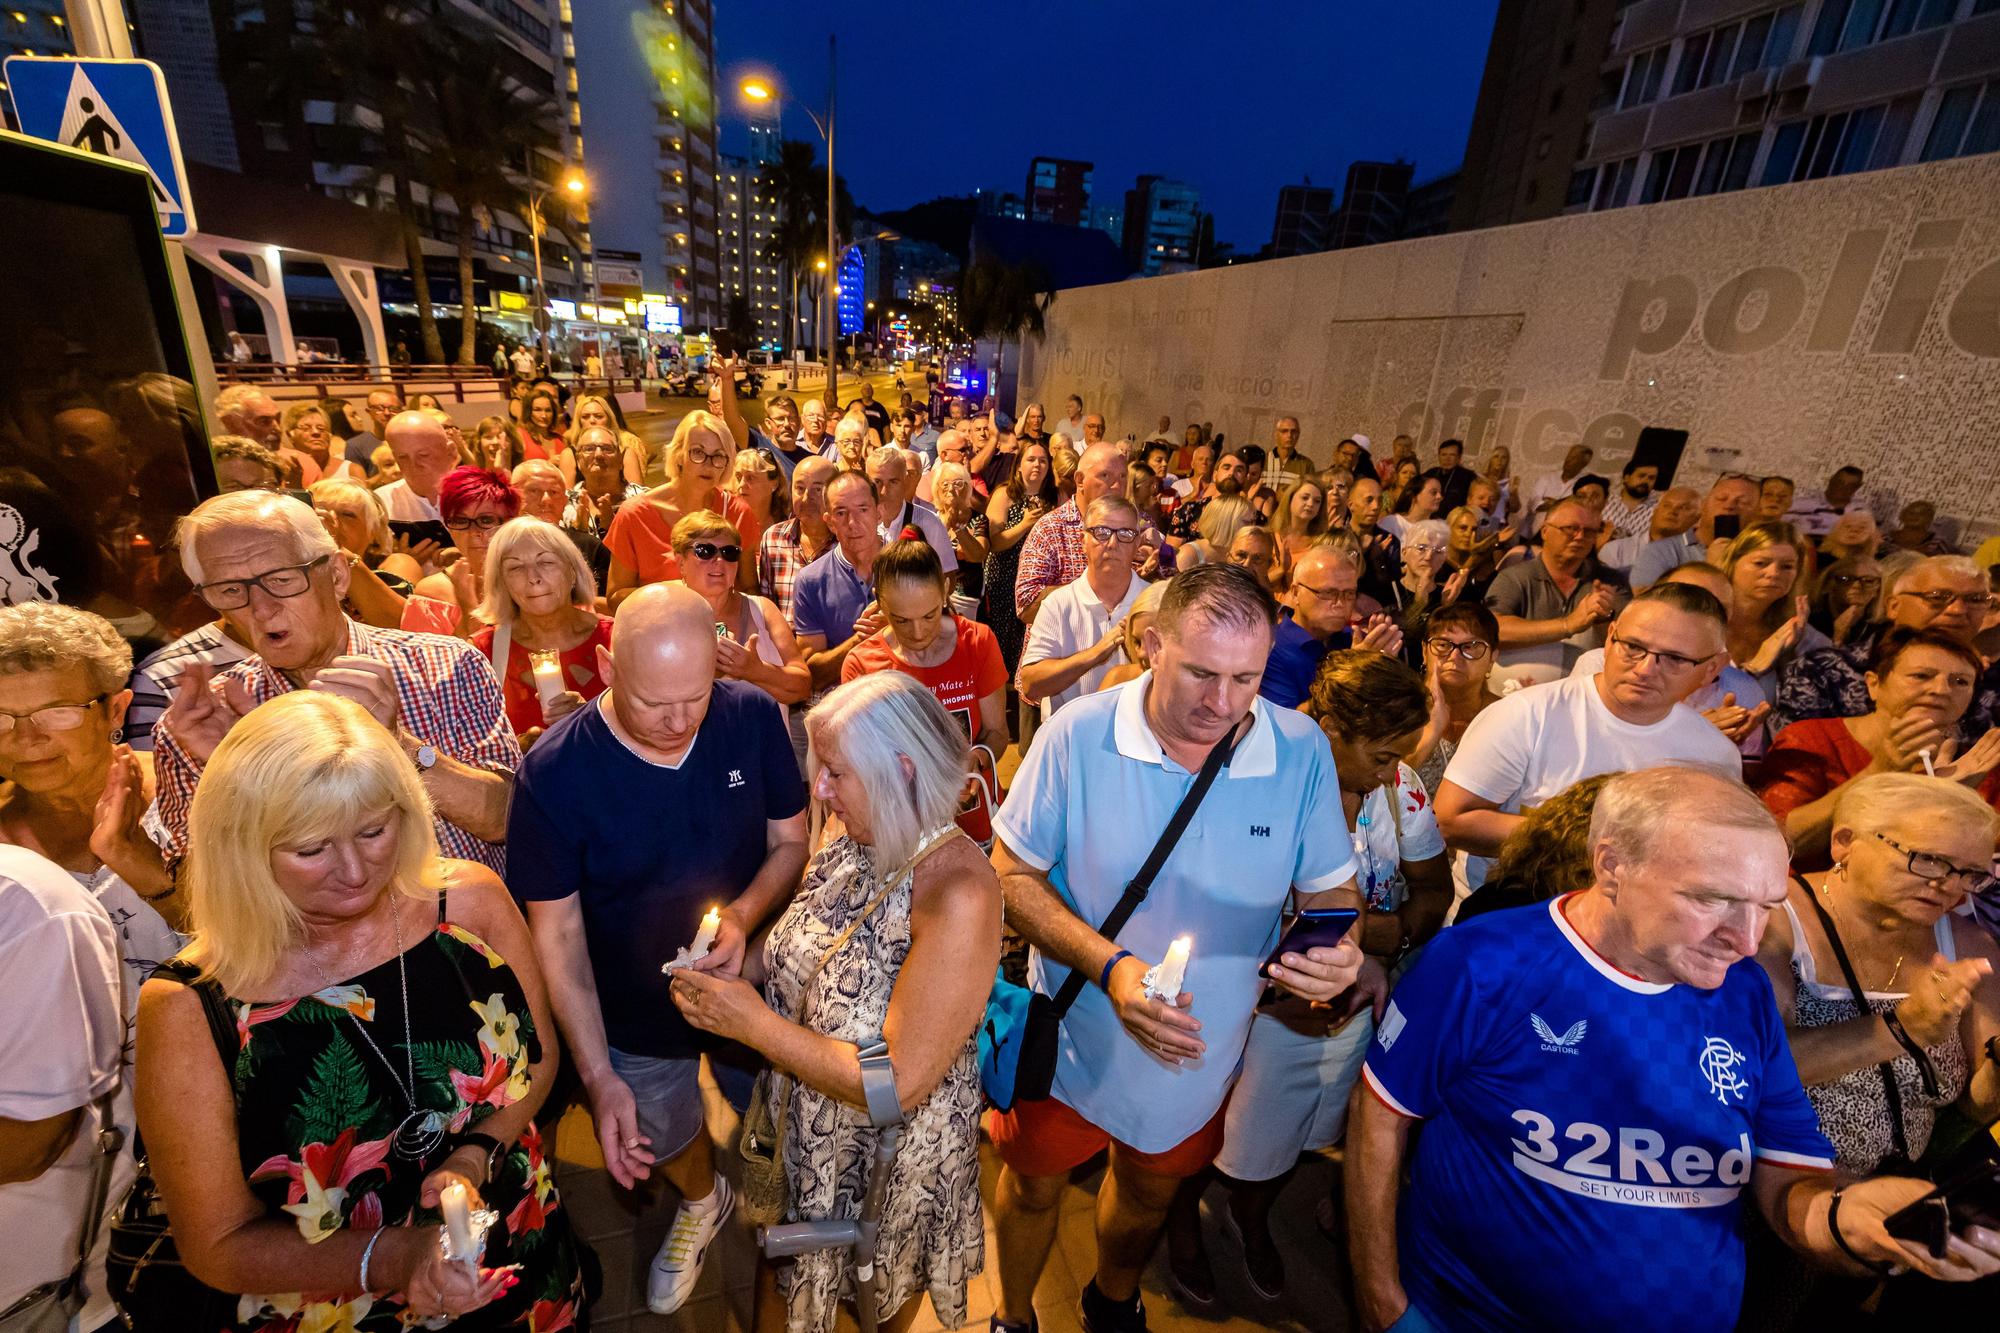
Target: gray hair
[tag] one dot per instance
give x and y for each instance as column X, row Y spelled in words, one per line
column 876, row 723
column 235, row 396
column 1221, row 594
column 267, row 511
column 43, row 636
column 1435, row 531
column 948, row 471
column 1883, row 802
column 515, row 535
column 1959, row 566
column 1104, row 506
column 341, row 488
column 1637, row 810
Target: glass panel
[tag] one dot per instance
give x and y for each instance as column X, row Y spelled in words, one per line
column 1750, row 50
column 1656, row 177
column 1935, row 12
column 1826, row 30
column 1580, row 186
column 1902, row 18
column 1895, row 133
column 1692, row 51
column 1859, row 143
column 1740, row 157
column 1720, row 50
column 1654, row 73
column 1682, row 178
column 1784, row 153
column 1954, row 113
column 1862, row 21
column 1822, row 147
column 1984, row 137
column 1712, row 163
column 1785, row 35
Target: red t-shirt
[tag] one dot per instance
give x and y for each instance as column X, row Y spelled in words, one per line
column 517, row 682
column 974, row 670
column 641, row 535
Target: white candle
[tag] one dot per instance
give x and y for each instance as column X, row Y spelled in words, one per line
column 1930, row 769
column 548, row 678
column 1172, row 971
column 456, row 1205
column 704, row 938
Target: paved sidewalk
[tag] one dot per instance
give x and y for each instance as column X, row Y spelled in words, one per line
column 626, row 1231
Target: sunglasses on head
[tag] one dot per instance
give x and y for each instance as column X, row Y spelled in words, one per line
column 709, row 551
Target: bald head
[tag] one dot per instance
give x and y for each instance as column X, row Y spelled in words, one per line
column 423, row 452
column 1322, row 591
column 1100, row 472
column 663, row 626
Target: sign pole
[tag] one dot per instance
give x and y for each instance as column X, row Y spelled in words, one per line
column 99, row 29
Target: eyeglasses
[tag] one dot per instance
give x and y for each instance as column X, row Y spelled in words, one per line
column 234, row 594
column 1939, row 601
column 706, row 551
column 713, row 460
column 1573, row 530
column 467, row 522
column 1930, row 866
column 597, row 449
column 1104, row 533
column 1635, row 654
column 1422, row 548
column 55, row 717
column 1472, row 650
column 1333, row 595
column 1853, row 580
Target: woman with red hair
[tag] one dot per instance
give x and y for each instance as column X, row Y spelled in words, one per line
column 473, row 501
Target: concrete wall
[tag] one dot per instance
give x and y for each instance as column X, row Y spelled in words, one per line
column 1787, row 330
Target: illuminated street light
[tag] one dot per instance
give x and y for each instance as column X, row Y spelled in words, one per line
column 757, row 90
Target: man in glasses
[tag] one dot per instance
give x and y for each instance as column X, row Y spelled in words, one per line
column 1667, row 644
column 1052, row 555
column 1315, row 613
column 267, row 565
column 1077, row 636
column 1945, row 592
column 1554, row 607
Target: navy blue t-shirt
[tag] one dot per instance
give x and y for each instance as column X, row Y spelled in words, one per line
column 650, row 848
column 1294, row 661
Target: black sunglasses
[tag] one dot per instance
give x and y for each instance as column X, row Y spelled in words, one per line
column 709, row 551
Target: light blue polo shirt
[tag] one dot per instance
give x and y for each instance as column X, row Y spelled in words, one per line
column 1092, row 797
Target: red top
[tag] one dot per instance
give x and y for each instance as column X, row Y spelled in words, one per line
column 641, row 535
column 974, row 670
column 517, row 683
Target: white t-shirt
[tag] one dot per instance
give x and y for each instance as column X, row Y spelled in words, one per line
column 405, row 505
column 1388, row 832
column 925, row 519
column 62, row 989
column 1071, row 619
column 1536, row 742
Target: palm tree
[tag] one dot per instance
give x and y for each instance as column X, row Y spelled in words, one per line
column 482, row 130
column 1003, row 301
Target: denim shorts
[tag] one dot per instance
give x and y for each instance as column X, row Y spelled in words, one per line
column 668, row 1093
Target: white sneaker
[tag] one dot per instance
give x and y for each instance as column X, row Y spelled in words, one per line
column 677, row 1267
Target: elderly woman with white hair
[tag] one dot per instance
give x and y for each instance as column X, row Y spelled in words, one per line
column 894, row 937
column 1412, row 598
column 358, row 1027
column 541, row 624
column 379, row 580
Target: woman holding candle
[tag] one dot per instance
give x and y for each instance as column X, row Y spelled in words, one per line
column 542, row 630
column 753, row 641
column 390, row 1018
column 895, row 935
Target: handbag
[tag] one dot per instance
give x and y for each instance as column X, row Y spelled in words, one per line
column 763, row 1194
column 1018, row 1036
column 143, row 1270
column 50, row 1307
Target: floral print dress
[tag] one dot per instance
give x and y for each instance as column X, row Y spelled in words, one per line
column 317, row 1108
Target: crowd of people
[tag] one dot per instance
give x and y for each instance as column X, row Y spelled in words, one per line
column 480, row 774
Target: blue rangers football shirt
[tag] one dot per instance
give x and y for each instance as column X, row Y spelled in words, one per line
column 1588, row 1135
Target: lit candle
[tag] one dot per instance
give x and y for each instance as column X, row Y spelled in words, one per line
column 455, row 1202
column 1164, row 981
column 704, row 938
column 548, row 678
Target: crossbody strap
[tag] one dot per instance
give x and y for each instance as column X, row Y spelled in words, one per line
column 1142, row 883
column 1890, row 1092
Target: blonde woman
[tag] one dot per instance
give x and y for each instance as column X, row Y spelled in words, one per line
column 1300, row 519
column 593, row 409
column 753, row 641
column 495, row 445
column 379, row 581
column 1218, row 525
column 641, row 539
column 540, row 598
column 1768, row 614
column 388, row 1036
column 894, row 936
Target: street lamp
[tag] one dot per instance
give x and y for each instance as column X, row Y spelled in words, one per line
column 765, row 90
column 572, row 185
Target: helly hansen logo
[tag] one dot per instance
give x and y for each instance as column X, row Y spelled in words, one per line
column 1260, row 830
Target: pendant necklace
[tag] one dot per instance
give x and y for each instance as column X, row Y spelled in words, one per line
column 421, row 1131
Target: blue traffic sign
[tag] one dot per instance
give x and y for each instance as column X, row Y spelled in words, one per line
column 114, row 108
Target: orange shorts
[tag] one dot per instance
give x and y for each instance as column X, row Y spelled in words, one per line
column 1049, row 1138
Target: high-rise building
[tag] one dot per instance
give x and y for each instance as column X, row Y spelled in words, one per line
column 1161, row 218
column 748, row 218
column 1304, row 214
column 1679, row 101
column 1428, row 212
column 645, row 89
column 1372, row 207
column 1058, row 190
column 31, row 28
column 1109, row 218
column 999, row 204
column 1543, row 77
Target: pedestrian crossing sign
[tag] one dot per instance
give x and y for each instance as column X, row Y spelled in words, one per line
column 114, row 108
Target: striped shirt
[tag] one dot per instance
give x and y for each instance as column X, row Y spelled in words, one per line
column 446, row 695
column 154, row 680
column 1051, row 556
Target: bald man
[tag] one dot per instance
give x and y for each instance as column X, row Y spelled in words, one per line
column 1316, row 617
column 424, row 453
column 671, row 794
column 1053, row 553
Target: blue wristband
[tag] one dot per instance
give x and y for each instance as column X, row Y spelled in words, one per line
column 1104, row 981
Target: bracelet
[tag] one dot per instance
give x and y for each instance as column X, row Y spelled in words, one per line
column 1104, row 979
column 367, row 1253
column 1833, row 1228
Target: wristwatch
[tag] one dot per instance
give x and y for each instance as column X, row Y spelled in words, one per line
column 426, row 756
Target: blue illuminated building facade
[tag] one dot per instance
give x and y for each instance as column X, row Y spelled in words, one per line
column 853, row 280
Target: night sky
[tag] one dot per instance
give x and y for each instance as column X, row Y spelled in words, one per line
column 941, row 97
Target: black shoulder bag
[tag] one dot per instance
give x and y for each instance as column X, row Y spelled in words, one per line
column 143, row 1269
column 1017, row 1038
